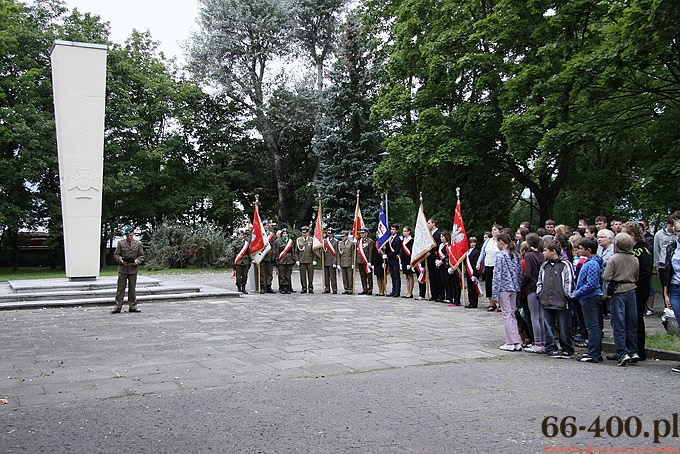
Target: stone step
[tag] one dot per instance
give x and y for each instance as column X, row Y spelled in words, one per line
column 63, row 284
column 99, row 301
column 38, row 293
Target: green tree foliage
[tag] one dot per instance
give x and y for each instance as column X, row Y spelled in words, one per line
column 438, row 108
column 149, row 149
column 568, row 99
column 238, row 43
column 348, row 143
column 242, row 50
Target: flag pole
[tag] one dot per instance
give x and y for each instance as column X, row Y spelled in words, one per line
column 463, row 269
column 356, row 248
column 427, row 271
column 323, row 239
column 382, row 252
column 259, row 273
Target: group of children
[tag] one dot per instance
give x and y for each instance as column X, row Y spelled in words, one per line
column 547, row 293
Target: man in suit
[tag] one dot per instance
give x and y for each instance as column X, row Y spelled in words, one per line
column 393, row 249
column 330, row 262
column 436, row 287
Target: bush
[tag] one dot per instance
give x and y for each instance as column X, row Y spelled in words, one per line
column 176, row 245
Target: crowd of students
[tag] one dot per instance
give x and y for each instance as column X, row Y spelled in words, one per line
column 557, row 283
column 550, row 283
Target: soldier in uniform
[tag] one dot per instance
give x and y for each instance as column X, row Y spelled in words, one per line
column 330, row 262
column 346, row 250
column 304, row 255
column 364, row 255
column 267, row 263
column 129, row 253
column 241, row 251
column 283, row 251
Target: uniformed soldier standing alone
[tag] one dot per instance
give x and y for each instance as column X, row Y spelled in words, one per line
column 283, row 251
column 129, row 254
column 304, row 254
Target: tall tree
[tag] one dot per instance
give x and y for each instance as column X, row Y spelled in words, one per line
column 349, row 142
column 439, row 108
column 150, row 161
column 237, row 48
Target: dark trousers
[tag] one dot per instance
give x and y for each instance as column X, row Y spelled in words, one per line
column 330, row 278
column 285, row 272
column 563, row 321
column 641, row 295
column 436, row 286
column 307, row 276
column 366, row 278
column 488, row 280
column 348, row 278
column 266, row 273
column 393, row 268
column 473, row 298
column 129, row 280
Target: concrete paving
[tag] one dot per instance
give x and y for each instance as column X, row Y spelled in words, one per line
column 40, row 293
column 306, row 373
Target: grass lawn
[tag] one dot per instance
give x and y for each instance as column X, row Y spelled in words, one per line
column 664, row 342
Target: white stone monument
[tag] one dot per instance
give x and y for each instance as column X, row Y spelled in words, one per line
column 79, row 86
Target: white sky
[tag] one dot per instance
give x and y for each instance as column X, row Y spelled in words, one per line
column 169, row 22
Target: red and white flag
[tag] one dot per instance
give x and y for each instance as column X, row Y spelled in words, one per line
column 358, row 221
column 422, row 240
column 259, row 245
column 457, row 250
column 317, row 240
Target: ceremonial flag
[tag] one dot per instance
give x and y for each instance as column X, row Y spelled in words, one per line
column 259, row 245
column 358, row 221
column 422, row 240
column 317, row 240
column 457, row 250
column 383, row 231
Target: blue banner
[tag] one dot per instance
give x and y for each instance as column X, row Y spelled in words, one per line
column 383, row 233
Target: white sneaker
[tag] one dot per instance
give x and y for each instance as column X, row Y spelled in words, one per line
column 534, row 349
column 510, row 347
